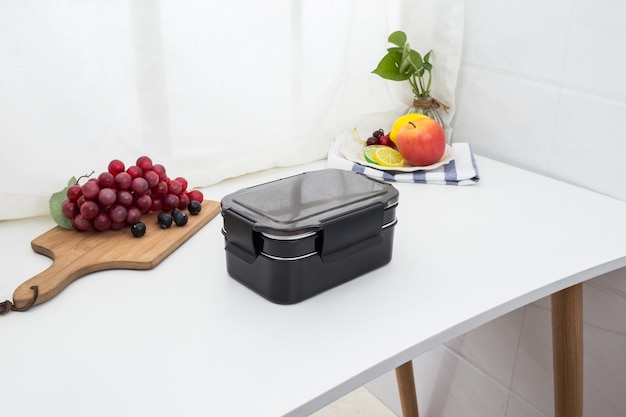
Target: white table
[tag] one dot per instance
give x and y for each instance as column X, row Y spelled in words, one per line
column 185, row 339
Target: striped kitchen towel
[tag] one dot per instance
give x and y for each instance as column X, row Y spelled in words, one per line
column 462, row 170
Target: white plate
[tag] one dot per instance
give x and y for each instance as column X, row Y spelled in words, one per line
column 353, row 151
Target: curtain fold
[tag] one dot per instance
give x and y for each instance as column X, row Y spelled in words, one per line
column 210, row 89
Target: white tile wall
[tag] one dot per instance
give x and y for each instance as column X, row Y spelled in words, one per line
column 506, row 117
column 595, row 58
column 542, row 85
column 527, row 38
column 546, row 91
column 589, row 143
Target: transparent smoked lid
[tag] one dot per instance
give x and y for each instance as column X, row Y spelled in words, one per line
column 304, row 202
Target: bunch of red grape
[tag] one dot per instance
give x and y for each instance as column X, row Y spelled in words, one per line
column 119, row 197
column 379, row 138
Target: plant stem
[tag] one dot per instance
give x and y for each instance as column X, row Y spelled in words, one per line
column 415, row 86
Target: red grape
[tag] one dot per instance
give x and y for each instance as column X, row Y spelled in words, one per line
column 183, row 182
column 106, row 180
column 196, row 195
column 133, row 216
column 385, row 140
column 139, row 185
column 89, row 210
column 118, row 213
column 69, row 209
column 160, row 190
column 74, row 192
column 183, row 201
column 152, row 178
column 144, row 162
column 174, row 187
column 116, row 166
column 102, row 222
column 170, row 202
column 125, row 198
column 160, row 169
column 157, row 205
column 371, row 141
column 90, row 189
column 80, row 223
column 135, row 171
column 143, row 203
column 123, row 181
column 107, row 196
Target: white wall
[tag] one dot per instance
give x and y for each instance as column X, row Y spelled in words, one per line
column 542, row 86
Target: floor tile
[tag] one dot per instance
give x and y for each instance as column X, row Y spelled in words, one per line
column 519, row 408
column 359, row 403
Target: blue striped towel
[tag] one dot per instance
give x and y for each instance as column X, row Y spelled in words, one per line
column 462, row 170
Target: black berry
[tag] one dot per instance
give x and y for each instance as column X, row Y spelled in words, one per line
column 165, row 220
column 194, row 207
column 180, row 217
column 138, row 229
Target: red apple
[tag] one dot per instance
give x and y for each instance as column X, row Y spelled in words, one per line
column 421, row 142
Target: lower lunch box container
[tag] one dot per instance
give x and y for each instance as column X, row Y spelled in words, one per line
column 296, row 237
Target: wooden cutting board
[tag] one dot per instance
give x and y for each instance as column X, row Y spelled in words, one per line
column 76, row 254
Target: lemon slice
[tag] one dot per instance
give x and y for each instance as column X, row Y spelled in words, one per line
column 388, row 157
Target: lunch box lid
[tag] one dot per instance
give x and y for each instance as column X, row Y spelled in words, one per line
column 304, row 203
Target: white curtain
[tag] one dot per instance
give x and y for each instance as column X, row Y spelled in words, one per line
column 209, row 88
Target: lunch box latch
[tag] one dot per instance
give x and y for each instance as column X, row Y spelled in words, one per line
column 241, row 240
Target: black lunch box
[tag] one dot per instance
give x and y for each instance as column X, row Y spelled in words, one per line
column 293, row 238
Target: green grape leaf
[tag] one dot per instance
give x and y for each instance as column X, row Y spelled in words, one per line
column 55, row 202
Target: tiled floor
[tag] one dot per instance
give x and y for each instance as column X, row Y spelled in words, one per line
column 359, row 403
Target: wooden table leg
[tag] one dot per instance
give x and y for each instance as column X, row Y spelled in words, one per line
column 567, row 351
column 406, row 388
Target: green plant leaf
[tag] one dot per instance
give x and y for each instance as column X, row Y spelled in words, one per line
column 403, row 63
column 406, row 66
column 397, row 38
column 395, row 49
column 416, row 59
column 55, row 202
column 388, row 68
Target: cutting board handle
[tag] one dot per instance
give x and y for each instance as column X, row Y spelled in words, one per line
column 40, row 288
column 44, row 285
